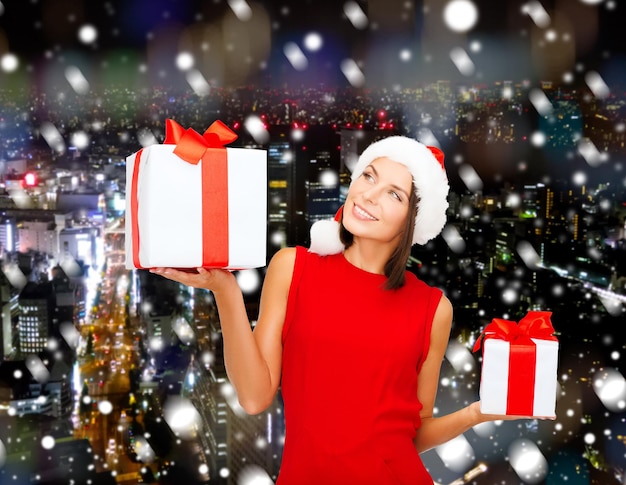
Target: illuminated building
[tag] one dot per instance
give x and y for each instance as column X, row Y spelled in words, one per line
column 322, row 187
column 279, row 192
column 8, row 322
column 81, row 243
column 38, row 235
column 36, row 303
column 9, row 241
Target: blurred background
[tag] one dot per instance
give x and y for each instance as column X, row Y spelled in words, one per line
column 112, row 375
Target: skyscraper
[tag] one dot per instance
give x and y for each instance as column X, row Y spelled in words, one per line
column 279, row 192
column 37, row 304
column 10, row 313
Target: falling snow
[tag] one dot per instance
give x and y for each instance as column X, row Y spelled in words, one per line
column 557, row 74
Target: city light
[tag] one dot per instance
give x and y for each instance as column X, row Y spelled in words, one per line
column 30, row 179
column 116, row 373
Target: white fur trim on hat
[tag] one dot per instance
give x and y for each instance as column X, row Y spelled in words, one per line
column 429, row 178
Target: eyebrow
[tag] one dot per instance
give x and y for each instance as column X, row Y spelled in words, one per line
column 397, row 187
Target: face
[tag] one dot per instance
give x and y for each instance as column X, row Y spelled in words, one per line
column 377, row 205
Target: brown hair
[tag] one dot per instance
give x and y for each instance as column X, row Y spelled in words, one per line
column 395, row 267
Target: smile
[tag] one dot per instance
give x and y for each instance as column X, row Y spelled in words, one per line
column 363, row 214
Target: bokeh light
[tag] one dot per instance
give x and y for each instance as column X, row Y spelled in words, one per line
column 460, row 15
column 184, row 61
column 457, row 454
column 9, row 62
column 182, row 417
column 48, row 442
column 80, row 139
column 105, row 407
column 453, row 238
column 352, row 72
column 295, row 56
column 355, row 14
column 87, row 34
column 249, row 280
column 313, row 41
column 254, row 475
column 528, row 461
column 329, row 178
column 610, row 387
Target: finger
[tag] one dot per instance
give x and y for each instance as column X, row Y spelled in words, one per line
column 170, row 273
column 155, row 270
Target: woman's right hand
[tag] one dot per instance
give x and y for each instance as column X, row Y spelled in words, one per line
column 214, row 279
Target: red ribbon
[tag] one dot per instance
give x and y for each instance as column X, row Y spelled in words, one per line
column 193, row 147
column 522, row 355
column 134, row 211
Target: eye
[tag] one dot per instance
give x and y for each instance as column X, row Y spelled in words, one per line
column 368, row 176
column 395, row 195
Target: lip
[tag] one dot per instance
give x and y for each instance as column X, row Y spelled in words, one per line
column 359, row 213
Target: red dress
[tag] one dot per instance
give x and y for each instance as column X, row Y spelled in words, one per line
column 351, row 356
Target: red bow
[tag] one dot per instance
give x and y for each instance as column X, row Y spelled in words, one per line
column 191, row 145
column 533, row 325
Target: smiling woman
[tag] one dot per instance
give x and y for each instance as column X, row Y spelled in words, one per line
column 382, row 331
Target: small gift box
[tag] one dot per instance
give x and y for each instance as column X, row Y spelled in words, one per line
column 191, row 202
column 519, row 366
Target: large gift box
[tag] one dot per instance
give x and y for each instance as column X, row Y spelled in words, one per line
column 192, row 202
column 519, row 366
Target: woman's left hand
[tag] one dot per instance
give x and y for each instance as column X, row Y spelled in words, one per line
column 503, row 417
column 209, row 279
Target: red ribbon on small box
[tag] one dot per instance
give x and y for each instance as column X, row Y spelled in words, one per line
column 193, row 147
column 522, row 355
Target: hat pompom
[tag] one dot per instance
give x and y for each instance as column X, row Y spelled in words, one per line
column 325, row 238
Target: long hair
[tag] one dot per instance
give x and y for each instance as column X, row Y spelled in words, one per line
column 395, row 267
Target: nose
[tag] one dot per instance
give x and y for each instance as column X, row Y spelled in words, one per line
column 371, row 194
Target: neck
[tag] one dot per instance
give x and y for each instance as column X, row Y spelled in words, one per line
column 369, row 257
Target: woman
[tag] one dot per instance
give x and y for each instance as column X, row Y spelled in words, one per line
column 353, row 339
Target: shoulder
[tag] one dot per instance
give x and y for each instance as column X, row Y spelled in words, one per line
column 282, row 263
column 288, row 258
column 279, row 273
column 442, row 321
column 444, row 309
column 284, row 257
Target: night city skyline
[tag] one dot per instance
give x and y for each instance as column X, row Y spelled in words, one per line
column 528, row 105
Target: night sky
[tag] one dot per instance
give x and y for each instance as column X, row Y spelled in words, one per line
column 392, row 41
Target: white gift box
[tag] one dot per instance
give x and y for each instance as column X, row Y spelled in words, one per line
column 523, row 390
column 167, row 225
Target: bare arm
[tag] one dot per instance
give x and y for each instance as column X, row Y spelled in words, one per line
column 252, row 358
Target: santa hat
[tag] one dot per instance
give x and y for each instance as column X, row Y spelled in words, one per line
column 431, row 184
